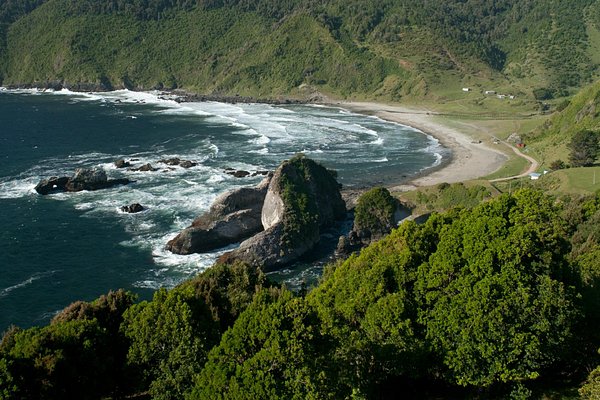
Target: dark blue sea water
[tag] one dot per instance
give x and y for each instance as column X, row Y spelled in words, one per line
column 65, row 247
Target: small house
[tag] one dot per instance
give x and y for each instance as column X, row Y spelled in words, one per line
column 466, row 89
column 534, row 176
column 490, row 92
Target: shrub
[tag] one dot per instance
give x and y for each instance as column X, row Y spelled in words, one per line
column 375, row 211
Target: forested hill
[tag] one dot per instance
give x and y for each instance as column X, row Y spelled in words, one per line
column 386, row 49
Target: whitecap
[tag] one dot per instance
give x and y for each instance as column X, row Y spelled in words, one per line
column 261, row 140
column 18, row 188
column 6, row 291
column 380, row 160
column 84, row 206
column 215, row 178
column 262, row 151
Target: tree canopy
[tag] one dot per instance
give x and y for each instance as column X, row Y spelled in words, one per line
column 585, row 148
column 478, row 299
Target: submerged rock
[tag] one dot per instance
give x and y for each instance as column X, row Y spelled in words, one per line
column 178, row 161
column 144, row 168
column 237, row 173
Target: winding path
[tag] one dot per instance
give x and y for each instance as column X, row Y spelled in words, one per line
column 534, row 165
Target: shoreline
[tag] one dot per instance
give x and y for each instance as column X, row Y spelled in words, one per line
column 469, row 159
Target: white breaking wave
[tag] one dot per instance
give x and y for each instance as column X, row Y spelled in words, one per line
column 15, row 189
column 4, row 292
column 380, row 160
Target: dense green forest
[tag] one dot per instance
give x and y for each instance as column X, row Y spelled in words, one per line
column 497, row 301
column 389, row 49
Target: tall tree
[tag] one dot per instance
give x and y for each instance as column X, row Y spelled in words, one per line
column 585, row 148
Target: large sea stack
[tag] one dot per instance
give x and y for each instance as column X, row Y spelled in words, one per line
column 300, row 199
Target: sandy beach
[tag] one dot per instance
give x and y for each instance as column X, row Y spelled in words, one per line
column 470, row 160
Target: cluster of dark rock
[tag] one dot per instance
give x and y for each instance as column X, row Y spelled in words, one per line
column 133, row 208
column 177, row 161
column 240, row 173
column 85, row 179
column 121, row 163
column 82, row 179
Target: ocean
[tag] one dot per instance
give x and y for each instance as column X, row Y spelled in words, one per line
column 64, row 247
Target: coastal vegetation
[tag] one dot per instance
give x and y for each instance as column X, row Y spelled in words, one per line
column 495, row 295
column 499, row 299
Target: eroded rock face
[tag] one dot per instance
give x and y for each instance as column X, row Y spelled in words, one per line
column 87, row 179
column 234, row 216
column 272, row 210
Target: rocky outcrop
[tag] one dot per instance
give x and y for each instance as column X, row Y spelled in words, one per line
column 144, row 168
column 234, row 216
column 177, row 161
column 281, row 218
column 83, row 179
column 303, row 197
column 53, row 184
column 237, row 173
column 133, row 208
column 377, row 212
column 120, row 163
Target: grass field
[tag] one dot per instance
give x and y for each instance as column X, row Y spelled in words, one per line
column 514, row 166
column 575, row 181
column 579, row 180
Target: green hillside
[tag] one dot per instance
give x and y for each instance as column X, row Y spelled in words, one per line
column 550, row 141
column 390, row 49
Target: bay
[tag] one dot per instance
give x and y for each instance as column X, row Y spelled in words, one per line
column 76, row 246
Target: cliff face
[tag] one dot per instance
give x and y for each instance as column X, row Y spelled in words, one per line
column 284, row 213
